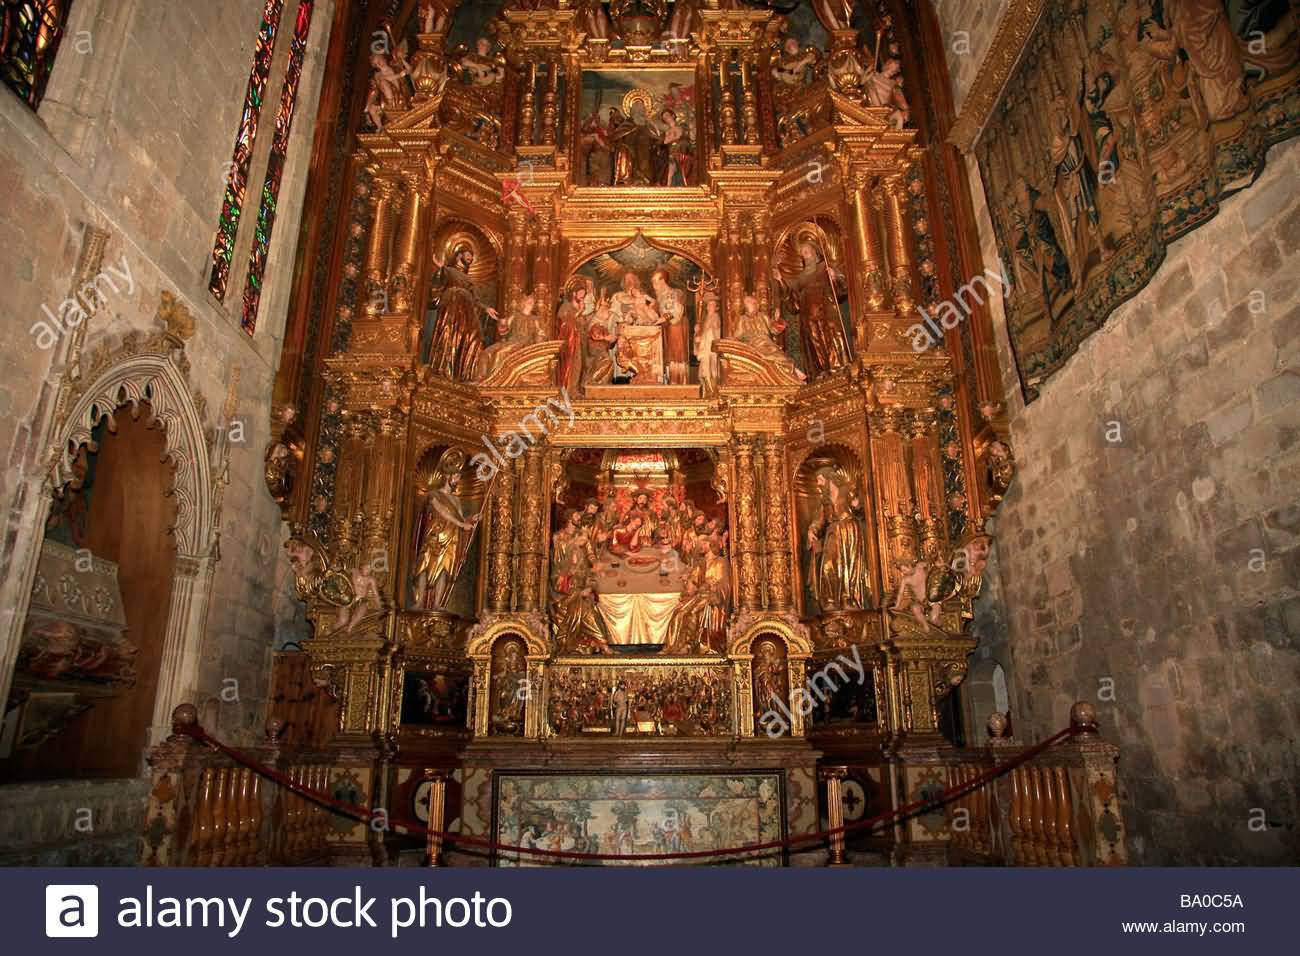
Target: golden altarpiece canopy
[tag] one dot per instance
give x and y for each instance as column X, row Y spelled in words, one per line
column 624, row 467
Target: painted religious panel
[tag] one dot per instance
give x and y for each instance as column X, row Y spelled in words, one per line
column 433, row 697
column 639, row 554
column 629, row 814
column 1124, row 126
column 638, row 128
column 669, row 700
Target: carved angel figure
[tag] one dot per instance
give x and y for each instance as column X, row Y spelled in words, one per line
column 389, row 84
column 790, row 67
column 884, row 87
column 480, row 68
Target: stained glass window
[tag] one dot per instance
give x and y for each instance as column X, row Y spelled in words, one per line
column 275, row 169
column 223, row 250
column 30, row 31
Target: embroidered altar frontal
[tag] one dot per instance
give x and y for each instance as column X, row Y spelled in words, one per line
column 637, row 814
column 1124, row 126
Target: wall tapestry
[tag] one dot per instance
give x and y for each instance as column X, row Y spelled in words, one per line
column 637, row 814
column 1125, row 124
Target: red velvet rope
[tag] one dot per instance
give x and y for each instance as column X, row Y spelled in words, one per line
column 367, row 816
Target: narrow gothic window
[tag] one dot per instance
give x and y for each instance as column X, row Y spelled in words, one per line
column 232, row 203
column 275, row 169
column 30, row 31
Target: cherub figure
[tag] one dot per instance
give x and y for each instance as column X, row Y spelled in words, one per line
column 911, row 596
column 365, row 597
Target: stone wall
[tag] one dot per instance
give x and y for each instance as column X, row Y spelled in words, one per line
column 968, row 27
column 135, row 134
column 1148, row 555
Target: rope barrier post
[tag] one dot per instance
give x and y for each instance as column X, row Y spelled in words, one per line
column 437, row 810
column 835, row 813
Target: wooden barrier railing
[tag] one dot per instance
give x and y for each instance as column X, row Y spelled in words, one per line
column 205, row 810
column 1060, row 808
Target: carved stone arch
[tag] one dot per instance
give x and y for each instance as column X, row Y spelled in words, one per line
column 156, row 371
column 155, row 379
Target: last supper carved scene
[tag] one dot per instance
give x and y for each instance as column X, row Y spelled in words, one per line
column 612, row 452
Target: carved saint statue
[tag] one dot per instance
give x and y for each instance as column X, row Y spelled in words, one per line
column 522, row 327
column 836, row 542
column 509, row 689
column 457, row 342
column 446, row 523
column 812, row 294
column 707, row 331
column 598, row 358
column 671, row 303
column 756, row 330
column 771, row 684
column 570, row 320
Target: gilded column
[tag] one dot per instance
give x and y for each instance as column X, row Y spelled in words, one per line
column 382, row 196
column 749, row 104
column 870, row 252
column 728, row 105
column 927, row 481
column 382, row 488
column 532, row 509
column 899, row 246
column 550, row 113
column 763, row 260
column 889, row 457
column 502, row 547
column 779, row 596
column 516, row 254
column 542, row 257
column 735, row 271
column 527, row 105
column 751, row 597
column 349, row 483
column 406, row 251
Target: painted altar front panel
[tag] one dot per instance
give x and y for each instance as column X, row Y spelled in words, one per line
column 638, row 814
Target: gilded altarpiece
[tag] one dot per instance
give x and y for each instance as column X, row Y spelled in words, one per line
column 625, row 462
